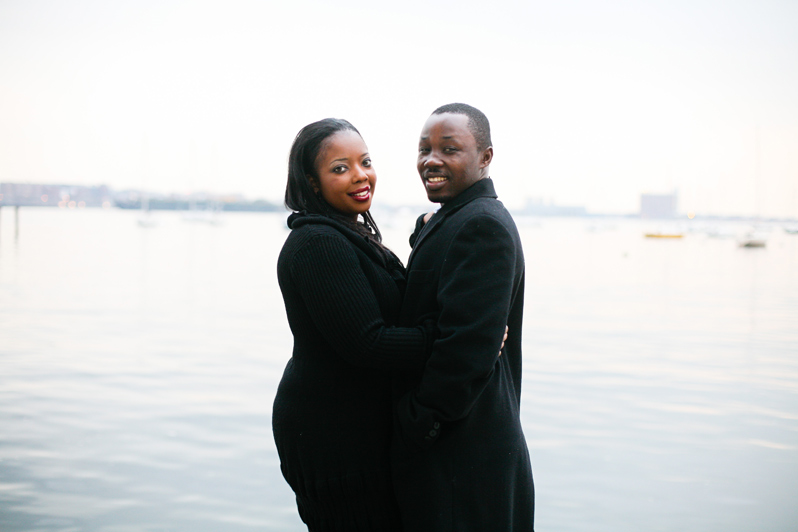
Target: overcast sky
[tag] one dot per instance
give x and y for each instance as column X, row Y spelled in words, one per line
column 591, row 102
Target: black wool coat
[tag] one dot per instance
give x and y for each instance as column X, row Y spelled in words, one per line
column 331, row 417
column 459, row 455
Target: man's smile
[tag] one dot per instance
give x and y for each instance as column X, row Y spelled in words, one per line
column 435, row 182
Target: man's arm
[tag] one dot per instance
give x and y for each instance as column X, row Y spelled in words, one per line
column 475, row 294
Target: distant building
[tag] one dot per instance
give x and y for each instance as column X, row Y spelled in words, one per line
column 658, row 205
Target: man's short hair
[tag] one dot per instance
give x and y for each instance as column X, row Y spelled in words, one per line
column 477, row 121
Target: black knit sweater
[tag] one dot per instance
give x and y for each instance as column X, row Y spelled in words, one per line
column 332, row 412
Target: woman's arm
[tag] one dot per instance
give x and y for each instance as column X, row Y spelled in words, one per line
column 327, row 274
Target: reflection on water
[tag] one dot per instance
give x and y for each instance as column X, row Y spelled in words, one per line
column 139, row 366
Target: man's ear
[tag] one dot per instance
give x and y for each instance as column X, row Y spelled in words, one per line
column 486, row 157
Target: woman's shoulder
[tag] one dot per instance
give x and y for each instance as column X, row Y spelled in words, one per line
column 319, row 234
column 313, row 224
column 303, row 236
column 312, row 246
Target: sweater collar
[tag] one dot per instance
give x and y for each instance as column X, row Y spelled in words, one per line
column 298, row 219
column 379, row 253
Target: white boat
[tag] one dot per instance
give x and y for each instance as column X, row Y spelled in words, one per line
column 208, row 216
column 754, row 238
column 146, row 219
column 749, row 242
column 719, row 232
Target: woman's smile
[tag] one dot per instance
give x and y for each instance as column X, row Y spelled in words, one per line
column 361, row 194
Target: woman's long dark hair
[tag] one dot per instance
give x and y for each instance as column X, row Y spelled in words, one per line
column 299, row 192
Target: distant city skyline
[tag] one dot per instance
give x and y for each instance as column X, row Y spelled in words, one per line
column 72, row 196
column 590, row 103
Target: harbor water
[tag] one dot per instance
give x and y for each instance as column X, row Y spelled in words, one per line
column 138, row 366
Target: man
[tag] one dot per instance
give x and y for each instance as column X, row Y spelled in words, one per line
column 460, row 459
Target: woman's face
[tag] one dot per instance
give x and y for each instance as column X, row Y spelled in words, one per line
column 346, row 178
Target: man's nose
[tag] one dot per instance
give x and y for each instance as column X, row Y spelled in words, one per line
column 432, row 160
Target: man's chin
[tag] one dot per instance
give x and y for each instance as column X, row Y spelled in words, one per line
column 437, row 196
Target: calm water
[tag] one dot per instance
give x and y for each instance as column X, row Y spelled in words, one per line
column 138, row 367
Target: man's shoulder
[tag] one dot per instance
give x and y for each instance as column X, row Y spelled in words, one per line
column 485, row 207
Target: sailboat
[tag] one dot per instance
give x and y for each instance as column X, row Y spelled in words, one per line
column 146, row 219
column 756, row 236
column 211, row 213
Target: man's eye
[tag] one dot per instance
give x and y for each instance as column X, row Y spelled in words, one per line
column 449, row 149
column 423, row 149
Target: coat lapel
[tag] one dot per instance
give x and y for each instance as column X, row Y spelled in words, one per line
column 425, row 231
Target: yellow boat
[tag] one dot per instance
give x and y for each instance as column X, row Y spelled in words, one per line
column 663, row 235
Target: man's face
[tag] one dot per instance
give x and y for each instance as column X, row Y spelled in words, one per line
column 448, row 159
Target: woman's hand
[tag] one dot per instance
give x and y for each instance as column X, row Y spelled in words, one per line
column 421, row 221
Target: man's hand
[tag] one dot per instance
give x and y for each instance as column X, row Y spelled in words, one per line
column 506, row 330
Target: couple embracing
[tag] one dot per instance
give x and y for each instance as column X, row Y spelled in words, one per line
column 399, row 408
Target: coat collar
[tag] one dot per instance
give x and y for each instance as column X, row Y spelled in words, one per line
column 378, row 253
column 481, row 189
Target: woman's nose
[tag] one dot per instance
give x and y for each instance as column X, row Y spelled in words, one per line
column 360, row 173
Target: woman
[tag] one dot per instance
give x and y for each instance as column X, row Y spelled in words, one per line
column 342, row 291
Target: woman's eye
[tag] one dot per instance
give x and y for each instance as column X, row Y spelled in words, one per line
column 339, row 169
column 367, row 163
